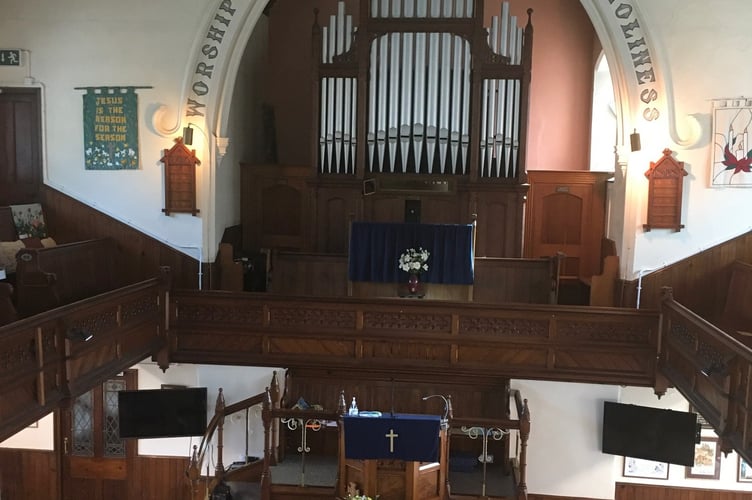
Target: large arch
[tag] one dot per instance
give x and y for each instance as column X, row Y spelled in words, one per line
column 642, row 93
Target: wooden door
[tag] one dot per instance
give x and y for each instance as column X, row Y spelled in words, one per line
column 20, row 145
column 566, row 213
column 95, row 461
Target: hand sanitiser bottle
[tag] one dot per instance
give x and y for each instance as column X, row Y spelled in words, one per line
column 353, row 407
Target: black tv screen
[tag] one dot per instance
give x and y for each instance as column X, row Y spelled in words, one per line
column 649, row 433
column 159, row 413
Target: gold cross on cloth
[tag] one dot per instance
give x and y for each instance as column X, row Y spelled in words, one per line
column 391, row 435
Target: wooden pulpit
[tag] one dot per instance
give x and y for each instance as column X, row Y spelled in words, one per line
column 397, row 457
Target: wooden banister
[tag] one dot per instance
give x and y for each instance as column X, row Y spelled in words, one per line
column 215, row 425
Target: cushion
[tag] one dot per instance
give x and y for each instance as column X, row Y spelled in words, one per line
column 48, row 242
column 29, row 220
column 8, row 251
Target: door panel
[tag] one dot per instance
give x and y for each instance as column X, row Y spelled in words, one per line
column 95, row 462
column 20, row 145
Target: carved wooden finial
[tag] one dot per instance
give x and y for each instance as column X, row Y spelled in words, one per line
column 220, row 402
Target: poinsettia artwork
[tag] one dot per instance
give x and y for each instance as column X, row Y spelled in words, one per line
column 732, row 153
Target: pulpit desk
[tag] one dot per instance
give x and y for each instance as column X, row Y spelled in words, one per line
column 398, row 457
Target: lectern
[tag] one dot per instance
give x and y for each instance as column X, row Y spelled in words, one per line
column 398, row 457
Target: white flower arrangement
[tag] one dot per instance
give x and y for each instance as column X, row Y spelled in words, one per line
column 413, row 260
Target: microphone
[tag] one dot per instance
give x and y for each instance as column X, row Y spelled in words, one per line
column 447, row 406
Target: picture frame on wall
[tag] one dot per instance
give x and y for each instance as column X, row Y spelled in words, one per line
column 707, row 460
column 744, row 471
column 646, row 469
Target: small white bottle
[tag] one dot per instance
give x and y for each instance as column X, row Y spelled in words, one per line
column 353, row 407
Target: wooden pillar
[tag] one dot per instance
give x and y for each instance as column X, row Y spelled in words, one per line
column 524, row 435
column 219, row 409
column 266, row 475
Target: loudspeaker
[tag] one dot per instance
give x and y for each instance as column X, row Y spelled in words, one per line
column 412, row 211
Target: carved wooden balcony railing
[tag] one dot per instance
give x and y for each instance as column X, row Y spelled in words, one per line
column 712, row 370
column 42, row 361
column 66, row 351
column 602, row 345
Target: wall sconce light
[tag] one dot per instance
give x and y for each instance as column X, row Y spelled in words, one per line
column 79, row 335
column 634, row 141
column 188, row 135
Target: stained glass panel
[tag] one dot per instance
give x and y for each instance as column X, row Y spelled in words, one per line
column 113, row 446
column 82, row 426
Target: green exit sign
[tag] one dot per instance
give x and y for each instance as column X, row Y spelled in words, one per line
column 10, row 57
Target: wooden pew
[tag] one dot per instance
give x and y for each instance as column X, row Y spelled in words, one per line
column 736, row 319
column 529, row 281
column 603, row 286
column 7, row 309
column 51, row 277
column 497, row 280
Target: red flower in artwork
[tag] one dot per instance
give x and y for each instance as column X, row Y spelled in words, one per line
column 737, row 164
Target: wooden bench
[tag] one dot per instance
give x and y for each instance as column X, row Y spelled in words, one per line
column 529, row 281
column 497, row 280
column 51, row 277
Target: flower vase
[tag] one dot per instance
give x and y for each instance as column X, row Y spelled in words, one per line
column 413, row 283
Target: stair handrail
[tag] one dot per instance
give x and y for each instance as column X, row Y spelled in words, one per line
column 221, row 410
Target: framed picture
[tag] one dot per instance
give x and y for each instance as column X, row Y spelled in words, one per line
column 707, row 460
column 745, row 471
column 732, row 149
column 637, row 467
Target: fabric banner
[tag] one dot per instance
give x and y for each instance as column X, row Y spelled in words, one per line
column 111, row 128
column 375, row 249
column 401, row 437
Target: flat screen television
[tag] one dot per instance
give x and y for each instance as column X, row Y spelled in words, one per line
column 649, row 433
column 159, row 413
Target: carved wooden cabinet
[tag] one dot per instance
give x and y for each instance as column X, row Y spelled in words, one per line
column 665, row 193
column 180, row 179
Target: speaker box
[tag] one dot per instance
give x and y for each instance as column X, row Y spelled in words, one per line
column 412, row 211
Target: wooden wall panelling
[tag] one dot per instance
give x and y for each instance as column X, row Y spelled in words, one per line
column 70, row 220
column 700, row 282
column 336, row 203
column 312, row 275
column 384, row 391
column 274, row 206
column 500, row 211
column 636, row 491
column 158, row 478
column 28, row 474
column 33, row 474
